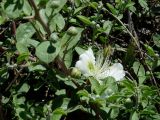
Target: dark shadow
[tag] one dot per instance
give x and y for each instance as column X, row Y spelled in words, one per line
column 51, row 49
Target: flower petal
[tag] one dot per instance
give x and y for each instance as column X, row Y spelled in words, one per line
column 86, row 63
column 80, row 65
column 88, row 55
column 116, row 71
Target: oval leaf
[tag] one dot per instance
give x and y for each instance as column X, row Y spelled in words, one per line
column 47, row 52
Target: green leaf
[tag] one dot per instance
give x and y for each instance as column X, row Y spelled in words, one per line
column 36, row 67
column 60, row 92
column 77, row 10
column 83, row 93
column 24, row 88
column 156, row 40
column 22, row 48
column 139, row 71
column 150, row 50
column 47, row 51
column 95, row 85
column 79, row 50
column 27, row 8
column 57, row 114
column 33, row 43
column 67, row 45
column 112, row 9
column 143, row 4
column 57, row 23
column 65, row 103
column 2, row 20
column 108, row 87
column 24, row 32
column 50, row 10
column 22, row 57
column 94, row 5
column 18, row 101
column 129, row 85
column 129, row 4
column 43, row 15
column 114, row 113
column 84, row 19
column 70, row 41
column 23, row 36
column 12, row 9
column 68, row 58
column 107, row 26
column 134, row 116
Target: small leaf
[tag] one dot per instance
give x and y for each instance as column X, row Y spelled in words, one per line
column 95, row 86
column 134, row 116
column 143, row 3
column 129, row 85
column 150, row 50
column 77, row 10
column 24, row 88
column 24, row 32
column 94, row 5
column 50, row 10
column 57, row 114
column 107, row 26
column 60, row 92
column 12, row 10
column 27, row 8
column 67, row 45
column 84, row 19
column 22, row 57
column 112, row 9
column 83, row 93
column 79, row 50
column 36, row 67
column 57, row 23
column 47, row 52
column 22, row 48
column 139, row 71
column 114, row 113
column 156, row 40
column 129, row 4
column 68, row 58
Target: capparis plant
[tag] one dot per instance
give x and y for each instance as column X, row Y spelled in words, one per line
column 79, row 59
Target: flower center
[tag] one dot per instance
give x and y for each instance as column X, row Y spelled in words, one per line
column 91, row 66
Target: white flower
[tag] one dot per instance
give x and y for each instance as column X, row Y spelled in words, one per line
column 100, row 67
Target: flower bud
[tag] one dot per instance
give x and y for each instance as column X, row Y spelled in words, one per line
column 72, row 31
column 128, row 103
column 108, row 51
column 69, row 8
column 128, row 100
column 109, row 91
column 93, row 22
column 97, row 25
column 54, row 37
column 75, row 73
column 55, row 4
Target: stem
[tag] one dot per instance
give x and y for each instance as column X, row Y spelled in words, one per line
column 135, row 39
column 38, row 17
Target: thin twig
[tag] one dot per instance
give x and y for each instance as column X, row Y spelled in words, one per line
column 135, row 39
column 38, row 17
column 131, row 26
column 15, row 78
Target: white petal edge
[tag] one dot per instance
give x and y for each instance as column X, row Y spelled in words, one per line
column 84, row 59
column 116, row 71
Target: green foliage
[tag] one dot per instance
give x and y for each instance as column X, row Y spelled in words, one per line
column 41, row 40
column 47, row 51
